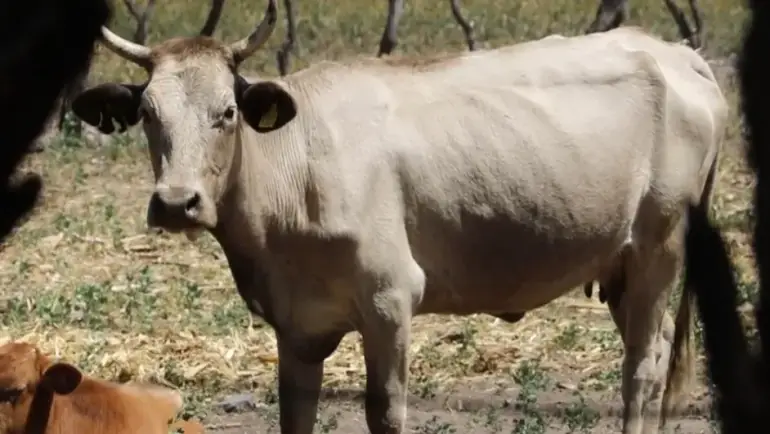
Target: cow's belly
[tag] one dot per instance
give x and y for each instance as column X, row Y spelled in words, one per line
column 509, row 279
column 493, row 262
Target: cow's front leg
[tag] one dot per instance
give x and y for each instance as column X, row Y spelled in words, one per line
column 299, row 388
column 386, row 340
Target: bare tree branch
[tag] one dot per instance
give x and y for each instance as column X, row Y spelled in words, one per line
column 213, row 19
column 612, row 13
column 287, row 48
column 389, row 40
column 131, row 8
column 609, row 15
column 464, row 24
column 697, row 20
column 680, row 19
column 140, row 35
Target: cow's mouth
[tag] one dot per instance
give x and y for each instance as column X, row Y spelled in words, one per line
column 175, row 226
column 191, row 230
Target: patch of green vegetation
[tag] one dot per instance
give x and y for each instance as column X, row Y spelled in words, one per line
column 532, row 380
column 579, row 417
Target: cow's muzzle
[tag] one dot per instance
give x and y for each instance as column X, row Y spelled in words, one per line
column 178, row 208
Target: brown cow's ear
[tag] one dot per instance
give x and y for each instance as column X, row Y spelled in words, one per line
column 266, row 106
column 102, row 105
column 62, row 378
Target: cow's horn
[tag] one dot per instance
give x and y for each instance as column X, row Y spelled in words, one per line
column 128, row 50
column 247, row 46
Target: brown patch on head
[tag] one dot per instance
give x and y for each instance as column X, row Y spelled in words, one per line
column 197, row 46
column 21, row 364
column 422, row 62
column 21, row 367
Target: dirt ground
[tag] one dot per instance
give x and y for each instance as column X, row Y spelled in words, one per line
column 476, row 409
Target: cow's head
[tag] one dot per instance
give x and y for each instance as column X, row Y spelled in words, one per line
column 191, row 107
column 28, row 381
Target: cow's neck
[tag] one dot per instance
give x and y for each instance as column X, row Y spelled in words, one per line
column 271, row 233
column 266, row 188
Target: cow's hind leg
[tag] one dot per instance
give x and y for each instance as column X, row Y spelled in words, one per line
column 647, row 331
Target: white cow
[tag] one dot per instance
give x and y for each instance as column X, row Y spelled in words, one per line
column 353, row 195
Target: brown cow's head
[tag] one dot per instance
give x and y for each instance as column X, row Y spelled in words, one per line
column 191, row 108
column 28, row 381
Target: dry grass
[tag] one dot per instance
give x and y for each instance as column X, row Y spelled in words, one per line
column 85, row 280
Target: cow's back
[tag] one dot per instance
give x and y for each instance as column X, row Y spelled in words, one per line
column 517, row 168
column 696, row 108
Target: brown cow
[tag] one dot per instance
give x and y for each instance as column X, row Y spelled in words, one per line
column 39, row 396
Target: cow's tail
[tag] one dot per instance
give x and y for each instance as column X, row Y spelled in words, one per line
column 681, row 368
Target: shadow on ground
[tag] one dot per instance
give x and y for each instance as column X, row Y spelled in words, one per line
column 473, row 409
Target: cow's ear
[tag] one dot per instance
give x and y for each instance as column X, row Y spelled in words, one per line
column 266, row 106
column 109, row 103
column 62, row 378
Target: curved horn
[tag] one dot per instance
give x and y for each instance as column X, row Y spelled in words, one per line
column 128, row 50
column 247, row 46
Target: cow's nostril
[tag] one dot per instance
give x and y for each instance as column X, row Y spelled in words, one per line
column 192, row 204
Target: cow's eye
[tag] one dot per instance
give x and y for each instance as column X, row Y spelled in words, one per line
column 229, row 113
column 10, row 396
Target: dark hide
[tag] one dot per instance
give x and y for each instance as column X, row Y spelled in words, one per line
column 46, row 46
column 739, row 372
